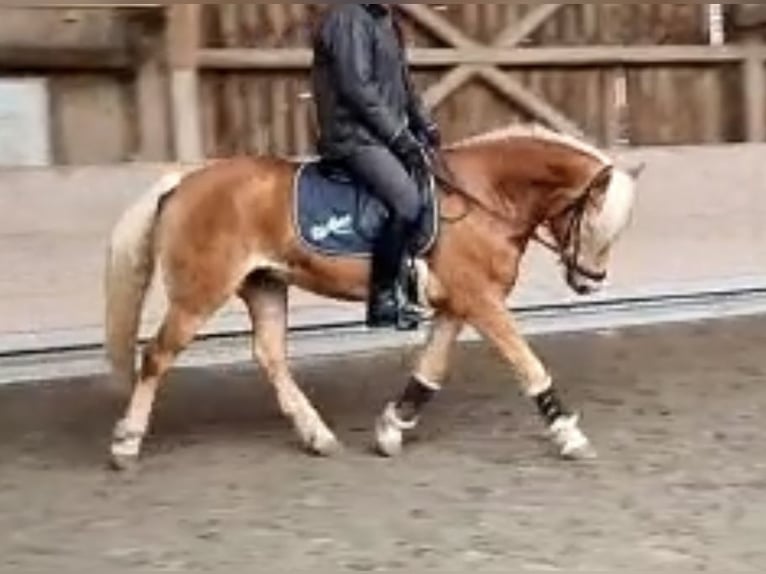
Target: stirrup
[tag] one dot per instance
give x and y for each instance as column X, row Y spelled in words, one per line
column 398, row 314
column 409, row 313
column 382, row 310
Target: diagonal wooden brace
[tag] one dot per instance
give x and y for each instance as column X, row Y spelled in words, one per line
column 511, row 37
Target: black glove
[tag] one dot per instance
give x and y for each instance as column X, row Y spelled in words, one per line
column 410, row 151
column 431, row 137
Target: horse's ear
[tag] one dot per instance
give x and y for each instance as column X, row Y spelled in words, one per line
column 636, row 171
column 600, row 185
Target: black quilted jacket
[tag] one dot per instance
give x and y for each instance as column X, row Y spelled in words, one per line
column 362, row 87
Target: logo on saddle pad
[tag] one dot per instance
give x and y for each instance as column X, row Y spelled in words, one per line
column 335, row 226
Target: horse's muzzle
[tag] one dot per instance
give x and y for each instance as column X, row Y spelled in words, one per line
column 585, row 283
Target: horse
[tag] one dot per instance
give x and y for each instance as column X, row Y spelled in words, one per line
column 226, row 230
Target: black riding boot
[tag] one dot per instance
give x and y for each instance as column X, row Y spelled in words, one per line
column 390, row 303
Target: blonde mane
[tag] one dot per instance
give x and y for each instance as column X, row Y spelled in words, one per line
column 620, row 197
column 536, row 131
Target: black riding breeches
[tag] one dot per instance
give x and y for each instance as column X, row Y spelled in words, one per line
column 387, row 178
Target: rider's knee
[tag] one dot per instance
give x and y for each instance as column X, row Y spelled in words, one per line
column 409, row 206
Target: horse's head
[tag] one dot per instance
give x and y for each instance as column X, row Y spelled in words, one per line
column 586, row 230
column 564, row 185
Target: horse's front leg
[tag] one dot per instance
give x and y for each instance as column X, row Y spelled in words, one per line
column 495, row 323
column 403, row 415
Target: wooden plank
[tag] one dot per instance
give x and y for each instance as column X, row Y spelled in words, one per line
column 84, row 59
column 183, row 39
column 509, row 38
column 713, row 104
column 90, row 120
column 280, row 115
column 755, row 95
column 233, row 85
column 55, row 28
column 183, row 35
column 209, row 94
column 574, row 56
column 538, row 107
column 514, row 35
column 441, row 27
column 187, row 131
column 665, row 91
column 300, row 106
column 449, row 84
column 471, row 19
column 276, row 16
column 152, row 104
column 252, row 34
column 603, row 108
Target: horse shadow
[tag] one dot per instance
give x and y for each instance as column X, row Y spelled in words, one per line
column 70, row 422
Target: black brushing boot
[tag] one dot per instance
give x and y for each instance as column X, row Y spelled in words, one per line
column 390, row 302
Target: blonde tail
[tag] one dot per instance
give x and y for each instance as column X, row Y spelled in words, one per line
column 130, row 269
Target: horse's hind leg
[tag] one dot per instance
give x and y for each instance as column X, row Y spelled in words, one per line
column 177, row 331
column 266, row 299
column 403, row 416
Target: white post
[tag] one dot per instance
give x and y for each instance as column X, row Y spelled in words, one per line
column 716, row 25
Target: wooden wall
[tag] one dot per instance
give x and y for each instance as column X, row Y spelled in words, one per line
column 265, row 111
column 94, row 113
column 91, row 111
column 668, row 105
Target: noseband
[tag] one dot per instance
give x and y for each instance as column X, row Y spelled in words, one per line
column 573, row 236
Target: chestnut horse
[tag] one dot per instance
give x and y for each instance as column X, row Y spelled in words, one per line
column 228, row 230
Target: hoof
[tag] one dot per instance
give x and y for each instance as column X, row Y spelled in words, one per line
column 582, row 454
column 324, row 445
column 389, row 433
column 389, row 442
column 125, row 449
column 123, row 463
column 572, row 443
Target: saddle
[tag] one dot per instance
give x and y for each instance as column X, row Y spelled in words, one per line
column 337, row 216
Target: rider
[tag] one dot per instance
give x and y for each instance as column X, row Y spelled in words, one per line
column 372, row 122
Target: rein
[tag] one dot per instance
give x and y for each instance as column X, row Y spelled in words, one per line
column 444, row 176
column 573, row 238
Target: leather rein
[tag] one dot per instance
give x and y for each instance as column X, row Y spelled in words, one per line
column 444, row 176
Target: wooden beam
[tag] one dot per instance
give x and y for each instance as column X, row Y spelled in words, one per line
column 438, row 25
column 570, row 57
column 508, row 38
column 65, row 59
column 151, row 89
column 755, row 94
column 33, row 4
column 593, row 56
column 151, row 101
column 183, row 35
column 535, row 105
column 449, row 84
column 183, row 41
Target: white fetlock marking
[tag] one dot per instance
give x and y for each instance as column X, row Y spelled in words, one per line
column 126, row 442
column 568, row 437
column 390, row 431
column 393, row 419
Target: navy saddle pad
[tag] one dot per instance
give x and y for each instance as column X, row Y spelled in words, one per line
column 337, row 216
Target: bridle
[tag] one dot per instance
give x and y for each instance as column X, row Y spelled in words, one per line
column 573, row 237
column 570, row 252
